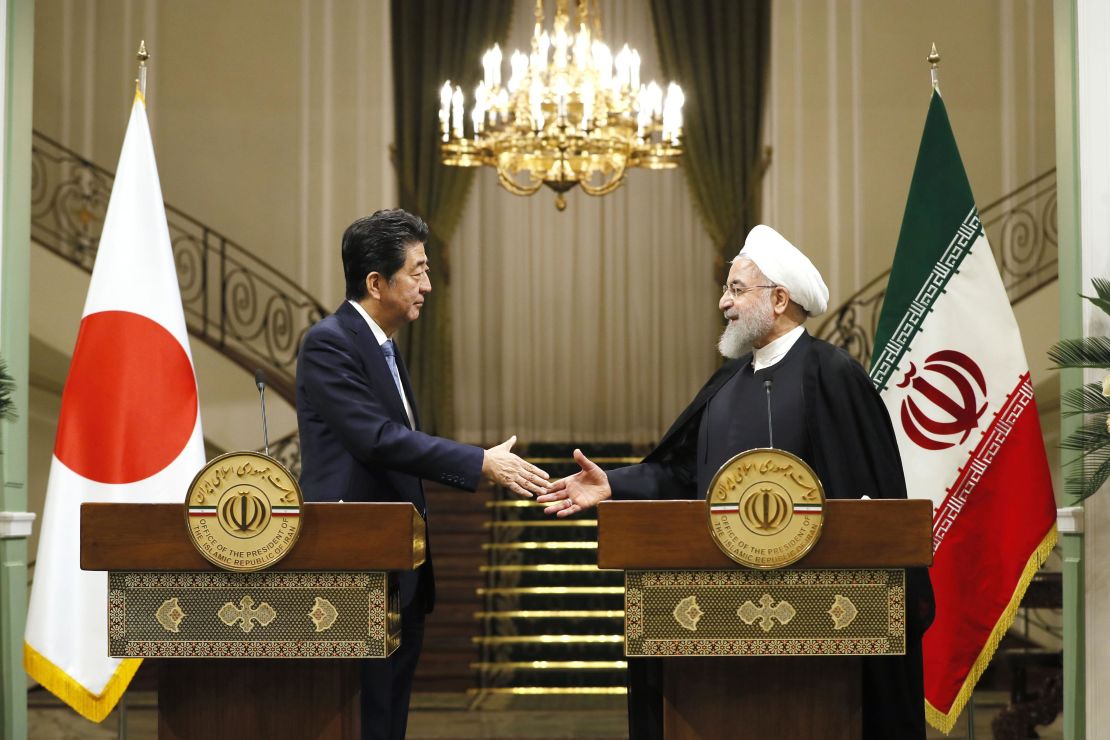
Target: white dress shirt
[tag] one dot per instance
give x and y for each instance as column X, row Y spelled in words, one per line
column 773, row 352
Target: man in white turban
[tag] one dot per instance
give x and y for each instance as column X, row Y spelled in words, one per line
column 823, row 408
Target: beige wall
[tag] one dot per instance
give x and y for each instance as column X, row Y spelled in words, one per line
column 271, row 118
column 849, row 89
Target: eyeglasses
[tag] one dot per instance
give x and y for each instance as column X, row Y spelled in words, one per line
column 738, row 290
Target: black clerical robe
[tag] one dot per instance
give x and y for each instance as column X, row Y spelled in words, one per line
column 844, row 433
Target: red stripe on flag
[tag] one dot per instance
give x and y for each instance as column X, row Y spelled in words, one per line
column 985, row 551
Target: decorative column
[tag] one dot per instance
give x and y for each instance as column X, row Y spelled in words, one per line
column 1083, row 182
column 16, row 77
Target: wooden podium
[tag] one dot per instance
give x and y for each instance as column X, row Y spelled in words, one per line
column 263, row 654
column 763, row 653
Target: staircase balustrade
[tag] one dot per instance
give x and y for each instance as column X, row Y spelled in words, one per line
column 235, row 301
column 1021, row 228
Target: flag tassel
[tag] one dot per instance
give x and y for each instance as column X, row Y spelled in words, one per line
column 93, row 707
column 945, row 721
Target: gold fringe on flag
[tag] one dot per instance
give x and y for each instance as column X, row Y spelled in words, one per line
column 946, row 721
column 93, row 707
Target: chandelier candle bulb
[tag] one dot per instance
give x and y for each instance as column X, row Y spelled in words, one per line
column 545, row 45
column 672, row 114
column 457, row 113
column 582, row 50
column 622, row 63
column 535, row 101
column 603, row 61
column 587, row 104
column 561, row 44
column 445, row 110
column 495, row 65
column 476, row 116
column 519, row 63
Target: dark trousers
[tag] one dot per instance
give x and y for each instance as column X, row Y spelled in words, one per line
column 645, row 699
column 387, row 683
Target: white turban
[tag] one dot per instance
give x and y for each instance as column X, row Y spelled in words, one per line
column 784, row 265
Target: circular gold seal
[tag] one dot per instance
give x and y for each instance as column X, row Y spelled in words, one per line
column 766, row 508
column 243, row 511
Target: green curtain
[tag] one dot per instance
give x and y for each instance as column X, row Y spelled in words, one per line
column 433, row 41
column 718, row 50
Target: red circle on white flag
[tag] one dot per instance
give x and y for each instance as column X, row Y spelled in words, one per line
column 130, row 400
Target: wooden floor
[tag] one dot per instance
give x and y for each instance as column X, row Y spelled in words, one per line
column 447, row 715
column 456, row 534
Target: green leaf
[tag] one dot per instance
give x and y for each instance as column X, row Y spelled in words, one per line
column 1102, row 303
column 1092, row 436
column 1085, row 400
column 1085, row 352
column 7, row 388
column 1102, row 287
column 1087, row 475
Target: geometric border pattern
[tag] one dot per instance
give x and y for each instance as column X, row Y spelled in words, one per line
column 943, row 271
column 981, row 457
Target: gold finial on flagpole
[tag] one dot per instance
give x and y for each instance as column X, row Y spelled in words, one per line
column 142, row 56
column 934, row 61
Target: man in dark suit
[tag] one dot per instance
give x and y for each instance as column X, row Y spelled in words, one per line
column 360, row 428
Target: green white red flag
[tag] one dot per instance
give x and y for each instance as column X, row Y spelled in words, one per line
column 949, row 364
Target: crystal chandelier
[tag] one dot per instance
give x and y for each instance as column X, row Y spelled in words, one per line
column 571, row 113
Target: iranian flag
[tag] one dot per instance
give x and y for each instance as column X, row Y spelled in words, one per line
column 128, row 432
column 950, row 367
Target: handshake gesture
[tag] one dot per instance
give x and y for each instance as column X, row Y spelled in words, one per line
column 583, row 490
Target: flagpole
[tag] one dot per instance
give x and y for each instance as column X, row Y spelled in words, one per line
column 934, row 75
column 934, row 62
column 142, row 56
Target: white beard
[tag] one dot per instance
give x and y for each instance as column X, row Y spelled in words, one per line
column 739, row 336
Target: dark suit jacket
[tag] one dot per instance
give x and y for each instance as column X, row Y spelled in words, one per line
column 356, row 443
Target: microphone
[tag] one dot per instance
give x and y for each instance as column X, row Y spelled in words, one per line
column 770, row 431
column 260, row 383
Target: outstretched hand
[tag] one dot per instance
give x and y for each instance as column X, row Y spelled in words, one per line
column 583, row 490
column 503, row 467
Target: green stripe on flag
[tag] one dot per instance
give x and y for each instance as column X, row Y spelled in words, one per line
column 940, row 217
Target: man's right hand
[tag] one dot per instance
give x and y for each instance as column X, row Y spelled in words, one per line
column 505, row 468
column 583, row 490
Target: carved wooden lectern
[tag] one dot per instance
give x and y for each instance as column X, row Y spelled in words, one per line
column 262, row 654
column 763, row 653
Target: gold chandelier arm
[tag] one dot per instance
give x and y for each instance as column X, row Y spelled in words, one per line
column 507, row 181
column 613, row 182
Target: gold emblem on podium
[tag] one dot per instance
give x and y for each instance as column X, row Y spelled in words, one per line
column 766, row 508
column 243, row 511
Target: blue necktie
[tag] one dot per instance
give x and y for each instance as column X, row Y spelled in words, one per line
column 390, row 352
